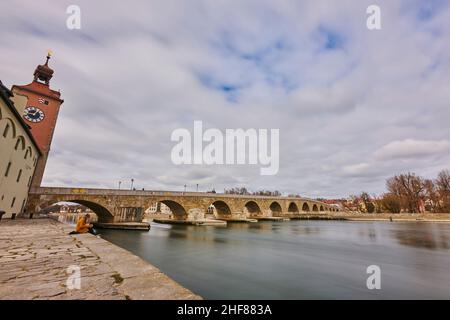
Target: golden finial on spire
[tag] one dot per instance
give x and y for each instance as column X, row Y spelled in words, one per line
column 49, row 54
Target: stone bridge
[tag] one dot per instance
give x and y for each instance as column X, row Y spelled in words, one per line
column 113, row 205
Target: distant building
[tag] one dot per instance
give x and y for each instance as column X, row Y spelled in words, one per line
column 158, row 207
column 210, row 209
column 336, row 203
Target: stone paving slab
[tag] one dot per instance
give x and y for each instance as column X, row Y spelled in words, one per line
column 35, row 256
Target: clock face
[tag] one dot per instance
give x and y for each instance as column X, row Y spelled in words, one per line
column 33, row 114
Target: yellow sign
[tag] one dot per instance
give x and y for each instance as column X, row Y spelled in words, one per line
column 79, row 191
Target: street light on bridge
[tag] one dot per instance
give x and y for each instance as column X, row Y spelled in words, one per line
column 120, row 182
column 132, row 181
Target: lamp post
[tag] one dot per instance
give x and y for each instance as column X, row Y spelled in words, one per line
column 120, row 182
column 132, row 181
column 184, row 188
column 197, row 187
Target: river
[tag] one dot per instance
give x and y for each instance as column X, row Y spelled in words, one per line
column 299, row 259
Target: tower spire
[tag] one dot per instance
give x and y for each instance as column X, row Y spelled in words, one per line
column 43, row 72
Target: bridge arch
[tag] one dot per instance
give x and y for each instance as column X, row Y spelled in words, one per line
column 221, row 208
column 315, row 208
column 305, row 207
column 293, row 208
column 177, row 209
column 321, row 209
column 103, row 214
column 275, row 209
column 251, row 208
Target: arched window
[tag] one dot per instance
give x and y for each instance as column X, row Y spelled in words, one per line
column 5, row 132
column 20, row 143
column 7, row 169
column 19, row 175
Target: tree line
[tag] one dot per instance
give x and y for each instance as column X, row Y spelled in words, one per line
column 244, row 191
column 409, row 192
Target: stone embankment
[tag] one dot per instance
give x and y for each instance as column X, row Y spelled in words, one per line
column 38, row 256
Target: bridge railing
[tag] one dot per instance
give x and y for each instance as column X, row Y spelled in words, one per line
column 119, row 192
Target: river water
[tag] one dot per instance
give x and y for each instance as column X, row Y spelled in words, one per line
column 299, row 259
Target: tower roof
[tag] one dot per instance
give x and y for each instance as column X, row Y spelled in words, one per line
column 43, row 72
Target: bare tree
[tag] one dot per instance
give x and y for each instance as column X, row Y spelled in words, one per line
column 443, row 190
column 391, row 203
column 237, row 190
column 370, row 207
column 409, row 188
column 431, row 196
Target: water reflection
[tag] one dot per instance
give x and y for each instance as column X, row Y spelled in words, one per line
column 427, row 235
column 369, row 233
column 299, row 259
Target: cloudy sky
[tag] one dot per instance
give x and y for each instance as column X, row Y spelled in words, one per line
column 353, row 106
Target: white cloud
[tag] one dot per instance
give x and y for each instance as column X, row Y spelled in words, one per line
column 134, row 73
column 411, row 148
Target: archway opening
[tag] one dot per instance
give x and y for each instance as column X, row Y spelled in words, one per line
column 102, row 213
column 293, row 208
column 251, row 209
column 305, row 207
column 321, row 209
column 315, row 208
column 219, row 209
column 177, row 210
column 157, row 210
column 275, row 209
column 68, row 212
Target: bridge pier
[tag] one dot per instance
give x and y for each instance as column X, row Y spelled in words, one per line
column 237, row 216
column 196, row 214
column 128, row 214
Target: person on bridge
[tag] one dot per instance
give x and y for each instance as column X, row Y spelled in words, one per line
column 84, row 225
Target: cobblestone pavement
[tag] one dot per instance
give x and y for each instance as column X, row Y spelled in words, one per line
column 35, row 256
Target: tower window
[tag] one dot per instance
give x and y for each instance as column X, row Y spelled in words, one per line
column 29, row 181
column 26, row 154
column 23, row 204
column 5, row 132
column 13, row 201
column 19, row 175
column 17, row 144
column 7, row 169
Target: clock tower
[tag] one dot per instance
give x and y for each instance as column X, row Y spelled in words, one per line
column 39, row 106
